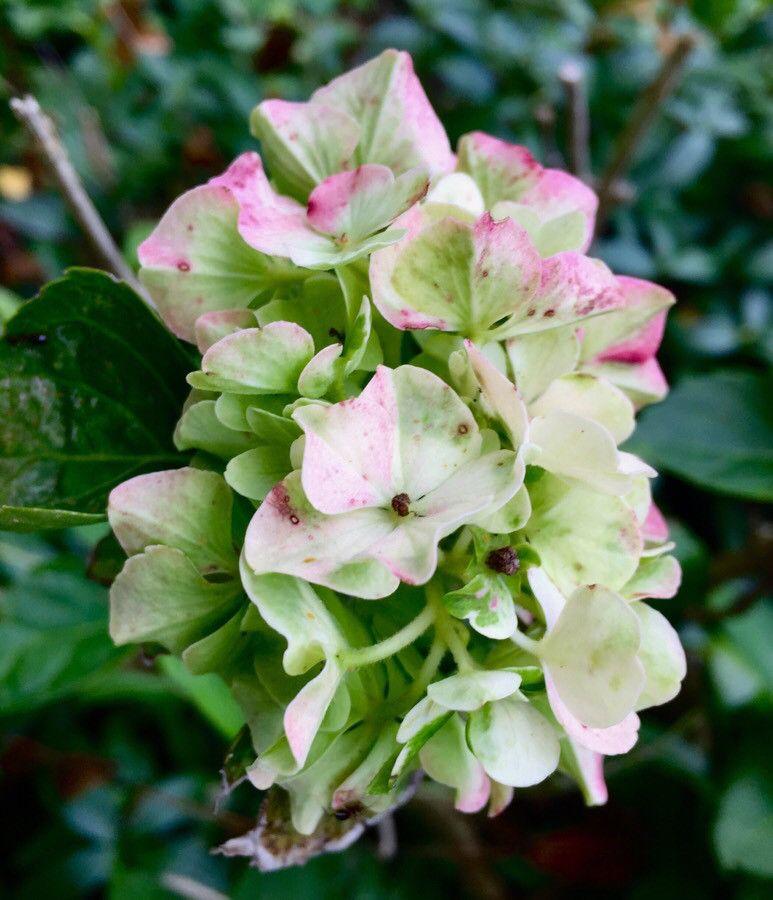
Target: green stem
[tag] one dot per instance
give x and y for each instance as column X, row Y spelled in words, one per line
column 446, row 629
column 416, row 690
column 526, row 643
column 365, row 656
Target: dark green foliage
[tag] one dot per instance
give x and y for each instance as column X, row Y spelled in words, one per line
column 92, row 385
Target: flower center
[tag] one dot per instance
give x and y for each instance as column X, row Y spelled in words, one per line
column 401, row 504
column 504, row 560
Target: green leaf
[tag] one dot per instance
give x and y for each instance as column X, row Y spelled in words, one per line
column 29, row 518
column 91, row 385
column 716, row 431
column 208, row 693
column 743, row 832
column 53, row 636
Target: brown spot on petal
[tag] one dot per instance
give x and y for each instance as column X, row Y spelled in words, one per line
column 401, row 504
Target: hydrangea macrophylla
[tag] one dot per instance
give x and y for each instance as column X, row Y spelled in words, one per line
column 385, row 476
column 409, row 537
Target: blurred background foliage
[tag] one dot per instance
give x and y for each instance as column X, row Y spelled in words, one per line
column 109, row 760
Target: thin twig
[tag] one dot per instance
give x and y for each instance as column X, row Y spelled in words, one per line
column 644, row 112
column 572, row 78
column 189, row 888
column 387, row 837
column 28, row 111
column 545, row 117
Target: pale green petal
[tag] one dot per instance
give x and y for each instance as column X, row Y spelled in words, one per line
column 657, row 576
column 458, row 189
column 582, row 536
column 591, row 655
column 160, row 596
column 320, row 372
column 500, row 396
column 253, row 473
column 469, row 691
column 212, row 326
column 486, row 483
column 538, row 359
column 201, row 429
column 259, row 360
column 293, row 608
column 589, row 397
column 510, row 517
column 574, row 447
column 662, row 656
column 516, row 745
column 188, row 509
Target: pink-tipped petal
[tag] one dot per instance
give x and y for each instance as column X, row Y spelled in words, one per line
column 557, row 193
column 349, row 458
column 591, row 766
column 398, row 126
column 640, row 346
column 501, row 170
column 610, row 741
column 655, row 527
column 273, row 224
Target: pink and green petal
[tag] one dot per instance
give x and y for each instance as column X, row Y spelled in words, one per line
column 628, row 334
column 644, row 382
column 288, row 535
column 352, row 205
column 304, row 714
column 501, row 171
column 500, row 395
column 572, row 288
column 612, row 741
column 196, row 262
column 456, row 277
column 187, row 509
column 304, row 143
column 591, row 655
column 398, row 127
column 447, row 758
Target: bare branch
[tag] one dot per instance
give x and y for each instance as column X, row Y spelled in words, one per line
column 572, row 78
column 545, row 116
column 28, row 111
column 647, row 107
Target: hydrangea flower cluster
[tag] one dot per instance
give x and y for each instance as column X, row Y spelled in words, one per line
column 407, row 539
